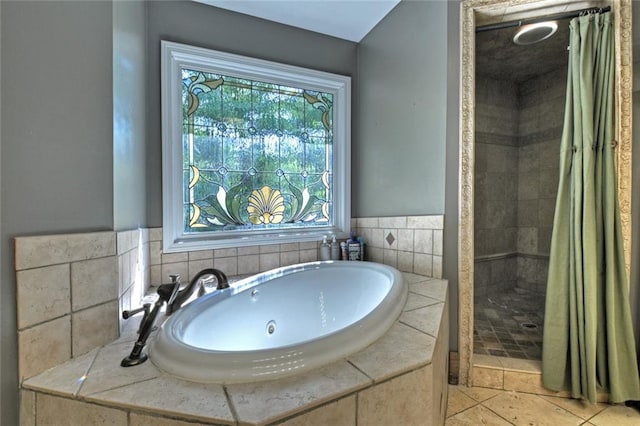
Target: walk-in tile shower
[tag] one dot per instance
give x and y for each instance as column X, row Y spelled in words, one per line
column 520, row 97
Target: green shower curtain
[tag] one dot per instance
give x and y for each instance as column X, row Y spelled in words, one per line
column 588, row 343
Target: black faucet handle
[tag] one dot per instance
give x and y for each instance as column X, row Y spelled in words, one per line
column 129, row 314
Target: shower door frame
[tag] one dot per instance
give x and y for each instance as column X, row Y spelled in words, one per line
column 624, row 107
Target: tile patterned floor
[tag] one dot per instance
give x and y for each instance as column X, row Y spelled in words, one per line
column 509, row 324
column 481, row 406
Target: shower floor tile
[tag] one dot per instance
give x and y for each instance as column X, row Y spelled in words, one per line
column 509, row 324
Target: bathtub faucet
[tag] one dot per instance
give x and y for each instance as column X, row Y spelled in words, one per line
column 184, row 294
column 166, row 294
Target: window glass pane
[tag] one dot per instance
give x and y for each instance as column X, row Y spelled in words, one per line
column 256, row 155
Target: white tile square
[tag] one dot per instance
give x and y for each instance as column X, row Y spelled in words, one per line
column 423, row 241
column 36, row 251
column 243, row 251
column 437, row 242
column 308, row 245
column 270, row 248
column 200, row 255
column 375, row 254
column 405, row 261
column 437, row 267
column 289, row 258
column 309, row 255
column 43, row 294
column 155, row 234
column 248, row 264
column 155, row 253
column 94, row 327
column 228, row 265
column 405, row 239
column 196, row 266
column 425, row 222
column 269, row 261
column 174, row 257
column 168, row 269
column 423, row 264
column 93, row 282
column 390, row 257
column 367, row 222
column 292, row 246
column 225, row 252
column 123, row 242
column 392, row 222
column 155, row 275
column 44, row 346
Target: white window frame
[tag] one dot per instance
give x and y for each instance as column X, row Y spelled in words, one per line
column 175, row 57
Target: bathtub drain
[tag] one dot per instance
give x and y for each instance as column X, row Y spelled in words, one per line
column 271, row 327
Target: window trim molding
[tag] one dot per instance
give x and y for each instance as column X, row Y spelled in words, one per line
column 174, row 57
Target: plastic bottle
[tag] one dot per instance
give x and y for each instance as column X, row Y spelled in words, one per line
column 335, row 249
column 325, row 249
column 354, row 247
column 344, row 250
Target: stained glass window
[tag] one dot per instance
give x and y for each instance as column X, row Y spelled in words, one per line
column 257, row 152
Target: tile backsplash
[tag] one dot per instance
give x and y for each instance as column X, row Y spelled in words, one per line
column 72, row 288
column 408, row 243
column 67, row 299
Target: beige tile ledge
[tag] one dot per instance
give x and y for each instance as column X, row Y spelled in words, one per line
column 520, row 375
column 407, row 348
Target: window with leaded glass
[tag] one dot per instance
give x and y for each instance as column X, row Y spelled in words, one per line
column 254, row 152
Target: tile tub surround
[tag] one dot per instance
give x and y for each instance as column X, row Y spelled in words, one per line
column 72, row 288
column 399, row 379
column 408, row 243
column 70, row 291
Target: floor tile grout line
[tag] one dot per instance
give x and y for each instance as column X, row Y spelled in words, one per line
column 499, row 415
column 574, row 399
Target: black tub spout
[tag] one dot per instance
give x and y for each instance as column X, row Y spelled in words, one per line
column 184, row 294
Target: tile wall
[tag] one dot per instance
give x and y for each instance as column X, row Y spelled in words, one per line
column 408, row 243
column 67, row 297
column 540, row 131
column 72, row 288
column 496, row 187
column 518, row 131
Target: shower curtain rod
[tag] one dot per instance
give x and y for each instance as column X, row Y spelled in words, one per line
column 557, row 16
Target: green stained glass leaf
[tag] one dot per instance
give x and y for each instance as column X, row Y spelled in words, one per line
column 303, row 203
column 233, row 201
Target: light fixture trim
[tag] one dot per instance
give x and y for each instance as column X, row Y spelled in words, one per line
column 535, row 33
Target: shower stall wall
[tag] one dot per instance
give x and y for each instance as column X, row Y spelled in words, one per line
column 517, row 140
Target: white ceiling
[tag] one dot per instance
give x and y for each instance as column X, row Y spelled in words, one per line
column 345, row 19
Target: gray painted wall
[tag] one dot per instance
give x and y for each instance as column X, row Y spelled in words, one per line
column 129, row 114
column 399, row 157
column 204, row 26
column 56, row 150
column 56, row 138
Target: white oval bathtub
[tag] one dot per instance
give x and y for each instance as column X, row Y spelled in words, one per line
column 281, row 322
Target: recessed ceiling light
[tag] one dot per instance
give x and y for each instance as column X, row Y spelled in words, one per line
column 535, row 33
